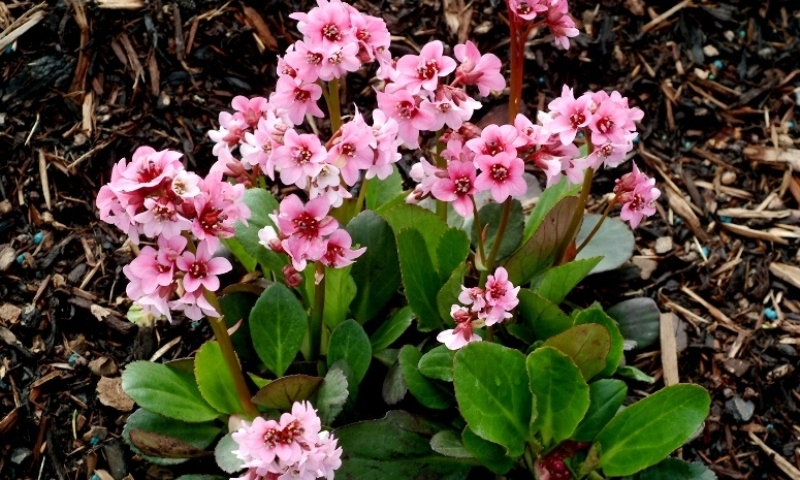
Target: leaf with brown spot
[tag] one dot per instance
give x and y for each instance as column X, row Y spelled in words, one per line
column 283, row 392
column 156, row 444
column 587, row 345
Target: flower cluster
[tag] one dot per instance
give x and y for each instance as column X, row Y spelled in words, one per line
column 480, row 306
column 555, row 16
column 155, row 196
column 291, row 448
column 308, row 233
column 636, row 192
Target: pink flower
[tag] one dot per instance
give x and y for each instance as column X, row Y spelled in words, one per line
column 301, row 156
column 185, row 185
column 560, row 23
column 502, row 174
column 426, row 175
column 607, row 122
column 305, row 226
column 201, row 269
column 161, row 218
column 527, row 9
column 194, row 305
column 637, row 193
column 480, row 70
column 298, row 98
column 458, row 187
column 148, row 271
column 474, row 296
column 494, row 140
column 568, row 115
column 259, row 147
column 251, row 110
column 305, row 61
column 463, row 333
column 501, row 296
column 326, row 25
column 339, row 60
column 528, row 134
column 353, row 150
column 339, row 254
column 424, row 70
column 385, row 132
column 404, row 108
column 217, row 208
column 372, row 35
column 230, row 133
column 552, row 158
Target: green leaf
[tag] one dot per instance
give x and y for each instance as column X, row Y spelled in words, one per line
column 492, row 393
column 283, row 392
column 614, row 242
column 394, row 387
column 675, row 469
column 587, row 345
column 377, row 271
column 605, row 398
column 542, row 317
column 491, row 455
column 187, row 438
column 226, row 459
column 652, row 428
column 420, row 279
column 331, row 396
column 639, row 320
column 540, row 251
column 380, row 192
column 491, row 214
column 261, row 203
column 340, row 290
column 350, row 342
column 391, row 329
column 430, row 226
column 629, row 371
column 448, row 443
column 559, row 281
column 237, row 249
column 278, row 323
column 396, row 447
column 438, row 363
column 387, row 356
column 562, row 396
column 428, row 392
column 214, row 381
column 448, row 295
column 237, row 306
column 549, row 198
column 452, row 252
column 166, row 391
column 615, row 352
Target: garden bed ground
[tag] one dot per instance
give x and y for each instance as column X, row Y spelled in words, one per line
column 720, row 87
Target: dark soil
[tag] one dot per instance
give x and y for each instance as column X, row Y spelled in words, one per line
column 85, row 86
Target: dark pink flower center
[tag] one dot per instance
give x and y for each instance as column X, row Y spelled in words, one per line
column 463, row 185
column 498, row 173
column 149, row 171
column 163, row 212
column 313, row 58
column 307, row 225
column 427, row 70
column 362, row 35
column 492, row 148
column 405, row 109
column 497, row 290
column 287, row 70
column 198, row 269
column 605, row 125
column 274, row 437
column 303, row 155
column 605, row 151
column 523, row 8
column 576, row 120
column 211, row 217
column 349, row 150
column 336, row 58
column 637, row 203
column 334, row 252
column 331, row 32
column 301, row 95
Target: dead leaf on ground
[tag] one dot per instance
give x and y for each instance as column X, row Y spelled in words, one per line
column 110, row 394
column 10, row 313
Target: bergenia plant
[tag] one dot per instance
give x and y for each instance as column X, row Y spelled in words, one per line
column 348, row 225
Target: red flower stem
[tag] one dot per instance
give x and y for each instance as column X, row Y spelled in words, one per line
column 316, row 318
column 577, row 217
column 334, row 105
column 479, row 229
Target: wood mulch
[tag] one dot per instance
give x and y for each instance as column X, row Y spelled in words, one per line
column 84, row 84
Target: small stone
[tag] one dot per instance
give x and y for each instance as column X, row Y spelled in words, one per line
column 710, row 50
column 663, row 245
column 5, row 207
column 728, row 178
column 646, row 265
column 20, row 456
column 736, row 366
column 741, row 409
column 7, row 257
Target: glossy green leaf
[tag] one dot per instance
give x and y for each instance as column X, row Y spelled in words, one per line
column 614, row 242
column 492, row 393
column 340, row 290
column 331, row 396
column 540, row 316
column 278, row 323
column 539, row 252
column 448, row 295
column 394, row 386
column 377, row 271
column 615, row 352
column 452, row 252
column 652, row 428
column 558, row 281
column 379, row 192
column 448, row 443
column 549, row 198
column 491, row 455
column 391, row 329
column 490, row 217
column 629, row 371
column 605, row 398
column 675, row 469
column 214, row 381
column 587, row 345
column 420, row 279
column 430, row 226
column 350, row 342
column 438, row 363
column 562, row 395
column 261, row 203
column 639, row 320
column 166, row 391
column 283, row 392
column 237, row 249
column 235, row 307
column 396, row 447
column 224, row 456
column 188, row 437
column 426, row 391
